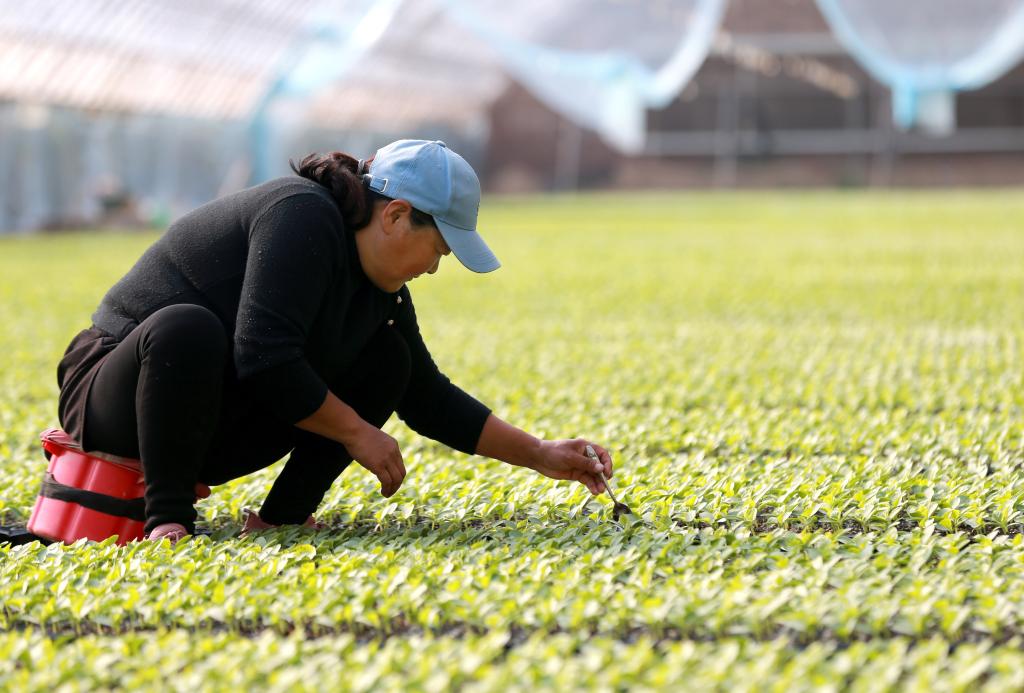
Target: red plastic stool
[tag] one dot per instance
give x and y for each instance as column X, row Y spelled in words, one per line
column 88, row 495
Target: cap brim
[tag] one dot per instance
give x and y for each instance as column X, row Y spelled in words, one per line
column 468, row 247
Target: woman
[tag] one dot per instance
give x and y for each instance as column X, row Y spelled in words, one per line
column 277, row 320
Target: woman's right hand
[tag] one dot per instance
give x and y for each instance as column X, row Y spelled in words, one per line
column 378, row 452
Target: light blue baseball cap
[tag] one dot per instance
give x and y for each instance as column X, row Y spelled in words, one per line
column 439, row 182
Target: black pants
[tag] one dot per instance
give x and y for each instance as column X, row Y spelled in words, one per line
column 167, row 396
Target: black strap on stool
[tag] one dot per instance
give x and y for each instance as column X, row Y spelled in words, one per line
column 16, row 535
column 133, row 509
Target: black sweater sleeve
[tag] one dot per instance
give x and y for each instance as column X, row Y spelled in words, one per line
column 295, row 247
column 433, row 406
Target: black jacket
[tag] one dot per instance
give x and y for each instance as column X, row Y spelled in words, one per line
column 277, row 265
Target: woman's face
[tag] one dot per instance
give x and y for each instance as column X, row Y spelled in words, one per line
column 404, row 251
column 419, row 250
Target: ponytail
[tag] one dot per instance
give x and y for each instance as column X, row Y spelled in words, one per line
column 343, row 176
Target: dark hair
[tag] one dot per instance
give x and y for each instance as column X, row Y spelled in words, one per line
column 422, row 218
column 342, row 174
column 339, row 173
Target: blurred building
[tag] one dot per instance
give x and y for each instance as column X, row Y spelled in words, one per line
column 130, row 113
column 778, row 102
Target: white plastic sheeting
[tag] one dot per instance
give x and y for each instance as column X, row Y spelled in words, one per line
column 336, row 34
column 189, row 58
column 600, row 63
column 262, row 72
column 926, row 50
column 253, row 82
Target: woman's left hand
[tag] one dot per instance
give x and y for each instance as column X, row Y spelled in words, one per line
column 567, row 459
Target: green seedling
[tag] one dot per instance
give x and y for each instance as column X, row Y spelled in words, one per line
column 619, row 509
column 814, row 388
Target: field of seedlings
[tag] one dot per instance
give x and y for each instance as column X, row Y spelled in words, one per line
column 815, row 402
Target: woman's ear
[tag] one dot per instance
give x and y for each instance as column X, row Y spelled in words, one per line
column 393, row 214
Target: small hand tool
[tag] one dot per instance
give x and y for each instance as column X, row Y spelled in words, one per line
column 618, row 509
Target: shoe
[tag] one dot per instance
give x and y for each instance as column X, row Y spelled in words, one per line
column 254, row 523
column 172, row 531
